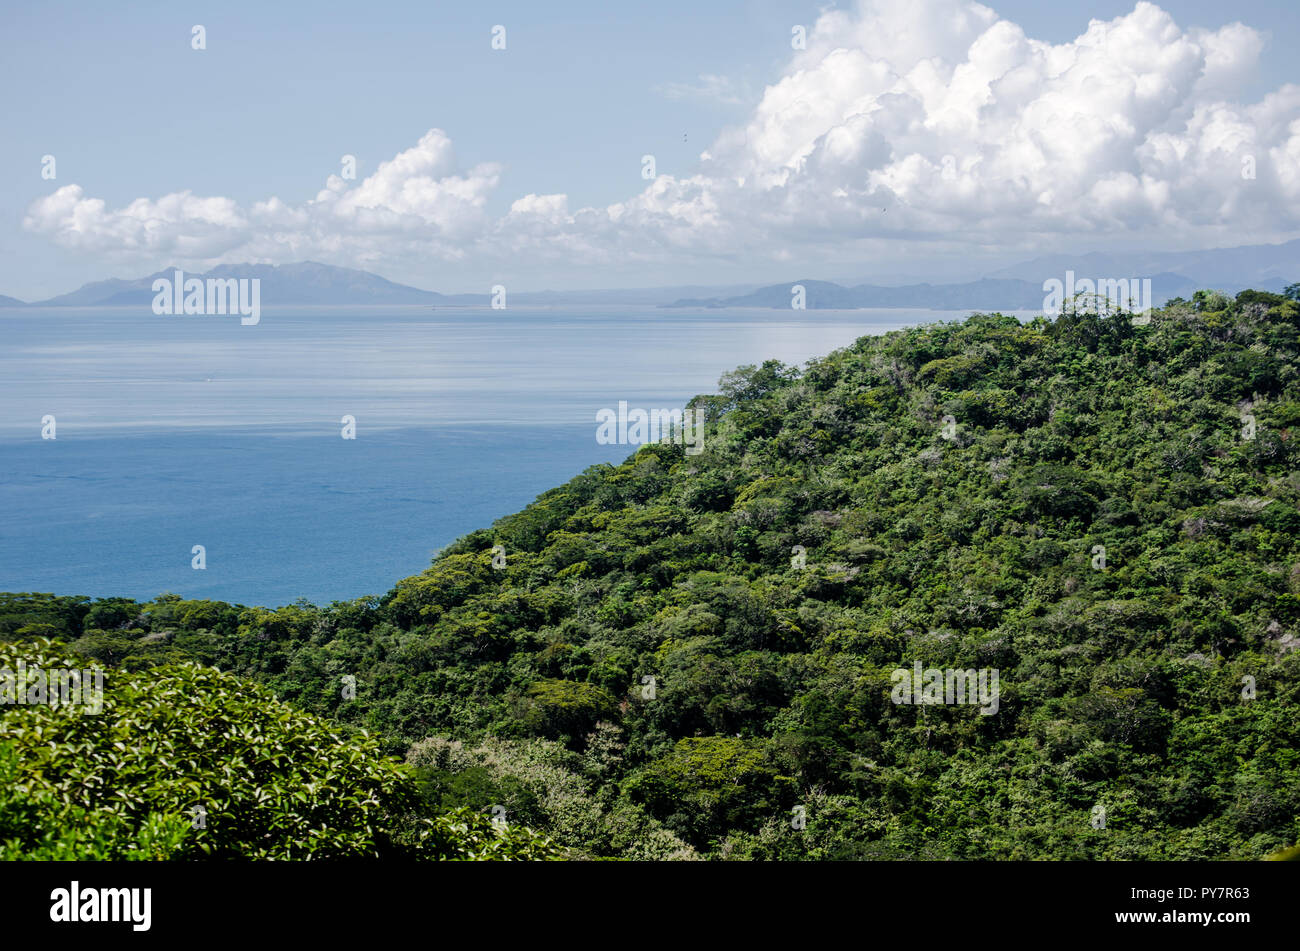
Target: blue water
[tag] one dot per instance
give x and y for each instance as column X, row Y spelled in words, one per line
column 181, row 431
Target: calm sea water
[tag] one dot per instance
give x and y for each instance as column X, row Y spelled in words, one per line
column 181, row 431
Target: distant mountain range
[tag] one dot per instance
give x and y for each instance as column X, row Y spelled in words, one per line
column 1265, row 267
column 1019, row 287
column 1253, row 265
column 988, row 294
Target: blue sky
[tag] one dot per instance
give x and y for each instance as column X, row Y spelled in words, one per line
column 581, row 92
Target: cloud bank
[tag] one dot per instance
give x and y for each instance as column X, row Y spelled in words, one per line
column 920, row 122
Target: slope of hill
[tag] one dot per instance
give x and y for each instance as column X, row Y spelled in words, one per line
column 701, row 655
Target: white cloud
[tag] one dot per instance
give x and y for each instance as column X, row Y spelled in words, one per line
column 904, row 121
column 708, row 88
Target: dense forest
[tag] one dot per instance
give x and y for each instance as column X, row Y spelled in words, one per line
column 692, row 656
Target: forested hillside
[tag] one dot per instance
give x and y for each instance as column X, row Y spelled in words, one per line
column 691, row 655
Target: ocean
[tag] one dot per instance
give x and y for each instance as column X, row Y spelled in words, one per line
column 176, row 432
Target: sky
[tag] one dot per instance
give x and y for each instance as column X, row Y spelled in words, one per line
column 907, row 139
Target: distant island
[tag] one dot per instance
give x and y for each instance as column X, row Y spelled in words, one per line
column 303, row 284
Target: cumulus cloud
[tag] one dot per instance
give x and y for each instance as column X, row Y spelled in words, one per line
column 179, row 221
column 902, row 121
column 954, row 119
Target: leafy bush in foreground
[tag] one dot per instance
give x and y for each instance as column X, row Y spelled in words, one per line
column 186, row 762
